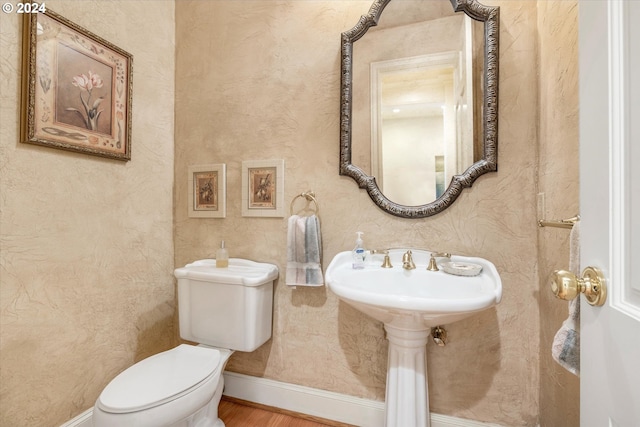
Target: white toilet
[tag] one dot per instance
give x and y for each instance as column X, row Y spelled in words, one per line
column 222, row 309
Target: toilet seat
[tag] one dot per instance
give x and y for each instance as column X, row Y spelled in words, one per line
column 161, row 378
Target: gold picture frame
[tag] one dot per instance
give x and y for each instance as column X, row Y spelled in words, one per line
column 207, row 191
column 263, row 188
column 77, row 89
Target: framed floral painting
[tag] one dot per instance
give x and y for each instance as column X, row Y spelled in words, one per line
column 207, row 191
column 76, row 89
column 263, row 188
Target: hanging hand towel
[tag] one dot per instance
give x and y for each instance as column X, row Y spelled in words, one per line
column 304, row 252
column 566, row 344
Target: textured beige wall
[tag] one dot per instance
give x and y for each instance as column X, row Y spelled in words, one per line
column 260, row 80
column 86, row 244
column 558, row 180
column 86, row 285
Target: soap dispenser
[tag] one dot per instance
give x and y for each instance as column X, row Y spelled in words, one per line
column 358, row 253
column 222, row 256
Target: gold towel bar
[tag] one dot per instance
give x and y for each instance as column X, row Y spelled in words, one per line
column 563, row 223
column 310, row 196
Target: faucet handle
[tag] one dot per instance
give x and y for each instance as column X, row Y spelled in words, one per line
column 440, row 255
column 379, row 251
column 433, row 266
column 387, row 262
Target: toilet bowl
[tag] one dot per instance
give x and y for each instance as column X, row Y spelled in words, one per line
column 221, row 309
column 180, row 387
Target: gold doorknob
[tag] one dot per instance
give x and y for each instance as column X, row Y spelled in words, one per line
column 565, row 285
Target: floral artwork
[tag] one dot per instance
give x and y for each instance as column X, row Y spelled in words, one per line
column 207, row 191
column 77, row 89
column 263, row 188
column 87, row 84
column 206, row 188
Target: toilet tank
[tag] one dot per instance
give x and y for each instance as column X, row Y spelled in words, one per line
column 228, row 307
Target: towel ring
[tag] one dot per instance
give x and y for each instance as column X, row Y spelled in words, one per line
column 310, row 196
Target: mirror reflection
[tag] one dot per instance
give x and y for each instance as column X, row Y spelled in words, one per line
column 417, row 123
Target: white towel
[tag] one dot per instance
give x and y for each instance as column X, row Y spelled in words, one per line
column 304, row 251
column 566, row 344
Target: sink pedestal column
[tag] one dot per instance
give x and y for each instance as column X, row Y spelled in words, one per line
column 407, row 395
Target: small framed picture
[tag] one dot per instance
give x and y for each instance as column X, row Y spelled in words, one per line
column 263, row 188
column 207, row 191
column 76, row 89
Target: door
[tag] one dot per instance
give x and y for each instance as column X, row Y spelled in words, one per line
column 610, row 210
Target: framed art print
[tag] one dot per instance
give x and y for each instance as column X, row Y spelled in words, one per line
column 207, row 191
column 263, row 188
column 77, row 89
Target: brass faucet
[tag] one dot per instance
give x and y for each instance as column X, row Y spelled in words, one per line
column 386, row 263
column 407, row 261
column 433, row 266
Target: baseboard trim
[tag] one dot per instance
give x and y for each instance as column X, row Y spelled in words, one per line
column 320, row 403
column 82, row 420
column 306, row 400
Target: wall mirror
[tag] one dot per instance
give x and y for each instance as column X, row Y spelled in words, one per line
column 419, row 102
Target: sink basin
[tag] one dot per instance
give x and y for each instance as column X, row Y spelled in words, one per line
column 395, row 295
column 409, row 303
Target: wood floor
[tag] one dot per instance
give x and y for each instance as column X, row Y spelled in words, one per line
column 239, row 413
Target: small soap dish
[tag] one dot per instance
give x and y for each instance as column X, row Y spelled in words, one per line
column 461, row 268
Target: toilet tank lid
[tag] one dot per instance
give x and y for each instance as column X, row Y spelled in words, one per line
column 240, row 272
column 160, row 378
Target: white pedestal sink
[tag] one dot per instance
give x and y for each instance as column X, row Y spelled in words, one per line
column 409, row 303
